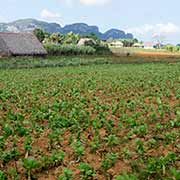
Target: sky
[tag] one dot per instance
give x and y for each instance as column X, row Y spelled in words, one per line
column 148, row 20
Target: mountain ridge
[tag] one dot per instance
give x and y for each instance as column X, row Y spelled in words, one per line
column 23, row 25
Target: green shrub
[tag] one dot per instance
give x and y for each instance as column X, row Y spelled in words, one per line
column 172, row 48
column 55, row 49
column 102, row 49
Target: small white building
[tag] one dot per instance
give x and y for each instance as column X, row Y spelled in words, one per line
column 103, row 42
column 138, row 45
column 149, row 45
column 116, row 44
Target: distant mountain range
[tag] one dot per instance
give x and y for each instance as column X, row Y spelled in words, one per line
column 24, row 25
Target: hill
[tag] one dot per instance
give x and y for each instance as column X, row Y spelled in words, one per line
column 80, row 28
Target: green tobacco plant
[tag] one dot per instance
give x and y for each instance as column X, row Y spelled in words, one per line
column 8, row 130
column 126, row 153
column 13, row 174
column 7, row 156
column 158, row 166
column 54, row 138
column 94, row 144
column 139, row 146
column 86, row 171
column 2, row 143
column 126, row 176
column 109, row 160
column 57, row 157
column 141, row 130
column 111, row 140
column 131, row 104
column 66, row 175
column 152, row 143
column 29, row 164
column 175, row 173
column 28, row 144
column 170, row 137
column 3, row 176
column 78, row 149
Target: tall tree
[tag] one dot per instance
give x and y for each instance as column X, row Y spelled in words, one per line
column 39, row 34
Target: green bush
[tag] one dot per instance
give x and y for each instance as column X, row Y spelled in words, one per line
column 172, row 48
column 55, row 49
column 102, row 49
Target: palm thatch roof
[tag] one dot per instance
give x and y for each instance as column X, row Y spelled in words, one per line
column 20, row 44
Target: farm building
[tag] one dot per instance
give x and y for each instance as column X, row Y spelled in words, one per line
column 20, row 44
column 104, row 42
column 116, row 44
column 149, row 45
column 138, row 45
column 86, row 41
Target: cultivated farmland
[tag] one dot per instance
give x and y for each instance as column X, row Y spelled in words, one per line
column 119, row 122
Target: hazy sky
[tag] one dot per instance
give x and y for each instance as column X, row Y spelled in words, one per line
column 145, row 19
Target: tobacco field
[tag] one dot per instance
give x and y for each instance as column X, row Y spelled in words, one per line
column 97, row 122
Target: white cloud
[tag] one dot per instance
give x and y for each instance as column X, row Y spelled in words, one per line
column 94, row 2
column 46, row 14
column 88, row 2
column 168, row 28
column 169, row 31
column 2, row 19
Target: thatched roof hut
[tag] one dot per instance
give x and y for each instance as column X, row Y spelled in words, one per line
column 20, row 44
